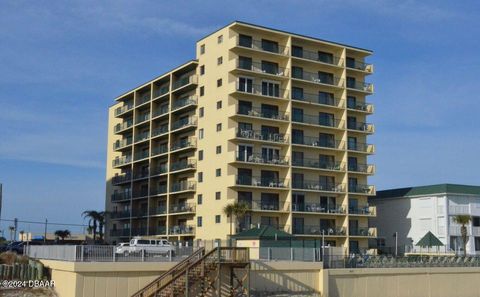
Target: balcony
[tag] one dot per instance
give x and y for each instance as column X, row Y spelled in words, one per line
column 182, row 208
column 183, row 186
column 184, row 123
column 362, row 210
column 459, row 209
column 160, row 190
column 121, row 196
column 318, row 99
column 318, row 230
column 361, row 106
column 361, row 168
column 317, row 164
column 158, row 211
column 360, row 86
column 357, row 65
column 159, row 131
column 121, row 179
column 261, row 90
column 159, row 111
column 362, row 232
column 159, row 230
column 142, row 193
column 182, row 230
column 120, row 144
column 318, row 121
column 258, row 135
column 120, row 232
column 140, row 174
column 123, row 126
column 276, row 206
column 318, row 186
column 190, row 142
column 314, row 56
column 361, row 127
column 262, row 159
column 320, row 143
column 315, row 78
column 142, row 118
column 142, row 136
column 183, row 165
column 139, row 231
column 182, row 82
column 160, row 169
column 141, row 155
column 143, row 99
column 244, row 227
column 263, row 113
column 261, row 182
column 159, row 150
column 123, row 109
column 318, row 208
column 184, row 103
column 362, row 189
column 258, row 45
column 160, row 92
column 265, row 69
column 121, row 161
column 361, row 147
column 139, row 213
column 120, row 214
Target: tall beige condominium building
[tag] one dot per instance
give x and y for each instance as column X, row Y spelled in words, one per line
column 270, row 118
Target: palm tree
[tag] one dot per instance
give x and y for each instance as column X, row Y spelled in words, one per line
column 237, row 210
column 63, row 234
column 463, row 220
column 93, row 219
column 101, row 223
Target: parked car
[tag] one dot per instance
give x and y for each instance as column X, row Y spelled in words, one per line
column 154, row 246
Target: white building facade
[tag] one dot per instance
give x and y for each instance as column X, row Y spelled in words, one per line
column 412, row 212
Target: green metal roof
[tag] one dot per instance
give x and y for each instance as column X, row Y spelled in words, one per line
column 428, row 190
column 266, row 232
column 429, row 240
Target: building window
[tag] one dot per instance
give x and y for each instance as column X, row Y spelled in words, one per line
column 199, row 199
column 219, row 149
column 201, row 112
column 217, row 219
column 202, row 91
column 200, row 155
column 199, row 221
column 218, row 172
column 219, row 104
column 202, row 49
column 219, row 127
column 219, row 60
column 202, row 70
column 200, row 133
column 200, row 177
column 219, row 82
column 220, row 39
column 218, row 195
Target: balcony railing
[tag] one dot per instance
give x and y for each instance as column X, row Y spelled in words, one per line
column 262, row 113
column 459, row 209
column 142, row 118
column 361, row 106
column 261, row 90
column 160, row 111
column 267, row 205
column 182, row 165
column 120, row 232
column 180, row 103
column 183, row 186
column 142, row 193
column 359, row 66
column 255, row 181
column 123, row 178
column 362, row 210
column 159, row 230
column 139, row 213
column 181, row 230
column 260, row 46
column 121, row 161
column 143, row 99
column 123, row 126
column 314, row 141
column 359, row 126
column 318, row 99
column 262, row 135
column 314, row 77
column 160, row 169
column 317, row 164
column 183, row 123
column 160, row 131
column 318, row 186
column 362, row 189
column 361, row 86
column 140, row 174
column 158, row 150
column 121, row 196
column 369, row 232
column 361, row 168
column 318, row 230
column 262, row 68
column 318, row 208
column 317, row 120
column 158, row 210
column 262, row 159
column 183, row 207
column 160, row 91
column 191, row 142
column 361, row 147
column 123, row 109
column 119, row 144
column 139, row 231
column 142, row 136
column 314, row 56
column 160, row 190
column 243, row 227
column 141, row 155
column 185, row 81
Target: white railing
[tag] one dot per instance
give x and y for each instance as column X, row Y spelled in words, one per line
column 430, row 250
column 458, row 209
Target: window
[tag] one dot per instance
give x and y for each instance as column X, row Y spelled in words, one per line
column 202, row 70
column 245, row 85
column 201, row 112
column 218, row 172
column 297, row 93
column 219, row 104
column 219, row 60
column 200, row 177
column 202, row 91
column 270, row 67
column 270, row 89
column 351, row 82
column 202, row 49
column 217, row 219
column 218, row 195
column 351, row 102
column 477, row 244
column 325, row 77
column 245, row 40
column 325, row 57
column 270, row 46
column 219, row 82
column 219, row 127
column 297, row 72
column 219, row 149
column 220, row 39
column 199, row 221
column 200, row 155
column 245, row 63
column 199, row 199
column 350, row 62
column 200, row 134
column 297, row 51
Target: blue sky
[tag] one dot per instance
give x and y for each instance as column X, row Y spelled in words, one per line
column 63, row 63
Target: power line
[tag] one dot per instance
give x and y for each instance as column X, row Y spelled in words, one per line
column 43, row 223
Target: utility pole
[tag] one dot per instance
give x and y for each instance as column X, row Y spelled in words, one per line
column 15, row 225
column 45, row 235
column 396, row 243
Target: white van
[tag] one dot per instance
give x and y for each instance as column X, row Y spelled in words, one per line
column 155, row 246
